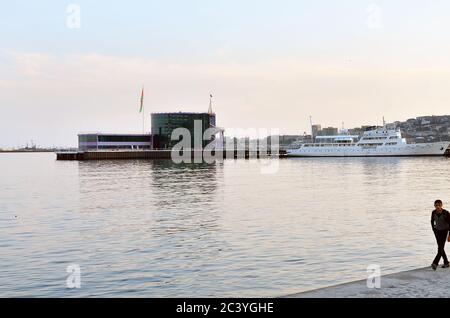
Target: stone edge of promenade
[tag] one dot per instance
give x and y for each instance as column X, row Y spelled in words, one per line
column 417, row 283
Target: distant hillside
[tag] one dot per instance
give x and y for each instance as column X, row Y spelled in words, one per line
column 426, row 128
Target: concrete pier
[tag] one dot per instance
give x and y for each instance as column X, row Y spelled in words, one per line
column 418, row 283
column 156, row 154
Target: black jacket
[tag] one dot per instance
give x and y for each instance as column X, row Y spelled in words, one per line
column 446, row 215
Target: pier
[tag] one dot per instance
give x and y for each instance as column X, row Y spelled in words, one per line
column 418, row 283
column 166, row 154
column 159, row 154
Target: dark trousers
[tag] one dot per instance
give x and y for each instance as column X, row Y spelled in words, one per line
column 441, row 238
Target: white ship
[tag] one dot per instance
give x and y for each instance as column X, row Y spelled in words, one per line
column 377, row 142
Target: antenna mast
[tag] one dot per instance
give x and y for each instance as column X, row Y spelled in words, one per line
column 210, row 110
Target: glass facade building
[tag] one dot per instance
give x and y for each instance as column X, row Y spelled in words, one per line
column 97, row 141
column 163, row 125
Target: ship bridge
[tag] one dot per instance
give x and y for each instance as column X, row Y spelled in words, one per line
column 339, row 139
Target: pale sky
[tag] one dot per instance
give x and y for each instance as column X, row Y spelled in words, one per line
column 269, row 64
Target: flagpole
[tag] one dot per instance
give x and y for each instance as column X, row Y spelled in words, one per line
column 143, row 110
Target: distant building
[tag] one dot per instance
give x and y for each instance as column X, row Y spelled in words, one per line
column 366, row 127
column 355, row 131
column 329, row 131
column 285, row 140
column 100, row 141
column 315, row 129
column 391, row 126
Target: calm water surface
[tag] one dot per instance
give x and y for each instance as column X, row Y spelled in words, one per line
column 155, row 229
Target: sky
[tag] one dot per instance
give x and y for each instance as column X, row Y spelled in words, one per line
column 78, row 66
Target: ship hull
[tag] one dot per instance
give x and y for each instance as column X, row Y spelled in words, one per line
column 409, row 150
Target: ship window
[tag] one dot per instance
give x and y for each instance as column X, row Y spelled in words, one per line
column 374, row 138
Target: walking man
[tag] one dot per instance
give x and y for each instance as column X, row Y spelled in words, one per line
column 440, row 223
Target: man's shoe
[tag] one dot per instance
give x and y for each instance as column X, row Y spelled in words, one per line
column 434, row 266
column 446, row 265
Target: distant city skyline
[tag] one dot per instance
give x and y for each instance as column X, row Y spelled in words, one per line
column 78, row 66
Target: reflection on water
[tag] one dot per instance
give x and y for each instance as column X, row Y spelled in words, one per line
column 161, row 213
column 152, row 228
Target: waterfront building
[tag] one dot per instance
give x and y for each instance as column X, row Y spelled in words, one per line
column 163, row 125
column 101, row 141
